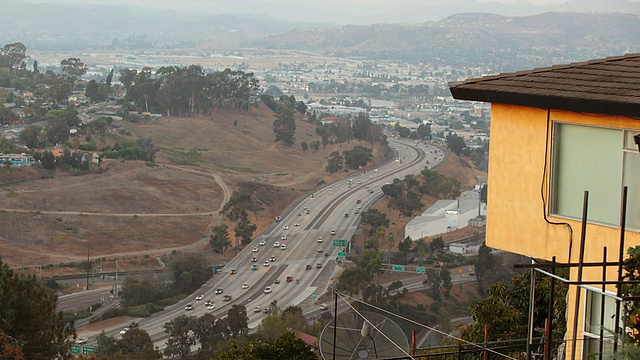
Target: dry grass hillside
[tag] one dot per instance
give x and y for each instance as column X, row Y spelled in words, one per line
column 133, row 209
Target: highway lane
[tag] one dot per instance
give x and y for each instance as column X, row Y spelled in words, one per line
column 327, row 209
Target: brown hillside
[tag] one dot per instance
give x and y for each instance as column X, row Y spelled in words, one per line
column 135, row 209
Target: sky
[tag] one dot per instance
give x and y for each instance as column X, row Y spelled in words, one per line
column 368, row 11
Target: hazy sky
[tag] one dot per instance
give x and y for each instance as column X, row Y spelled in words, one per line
column 369, row 11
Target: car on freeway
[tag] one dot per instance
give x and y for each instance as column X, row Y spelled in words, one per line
column 272, row 259
column 81, row 340
column 265, row 264
column 308, row 267
column 227, row 298
column 327, row 253
column 318, row 266
column 319, row 249
column 283, row 247
column 254, row 259
column 254, row 267
column 219, row 291
column 283, row 237
column 324, row 307
column 255, row 249
column 375, row 170
column 277, row 281
column 296, row 224
column 199, row 297
column 276, row 244
column 286, row 227
column 233, row 271
column 257, row 309
column 267, row 290
column 289, row 278
column 211, row 306
column 245, row 285
column 189, row 307
column 333, row 231
column 263, row 243
column 124, row 331
column 319, row 238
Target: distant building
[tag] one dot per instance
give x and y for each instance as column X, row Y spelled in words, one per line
column 445, row 216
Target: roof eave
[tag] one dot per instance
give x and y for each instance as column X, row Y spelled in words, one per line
column 547, row 102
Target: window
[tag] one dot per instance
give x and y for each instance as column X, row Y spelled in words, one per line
column 602, row 161
column 592, row 325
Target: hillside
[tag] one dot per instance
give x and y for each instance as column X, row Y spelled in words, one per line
column 474, row 39
column 133, row 207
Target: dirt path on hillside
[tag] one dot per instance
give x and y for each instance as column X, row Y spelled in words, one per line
column 216, row 218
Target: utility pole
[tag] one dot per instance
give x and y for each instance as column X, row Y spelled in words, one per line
column 88, row 268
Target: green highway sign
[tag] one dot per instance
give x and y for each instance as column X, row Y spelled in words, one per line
column 75, row 349
column 339, row 242
column 88, row 349
column 397, row 267
column 314, row 296
column 421, row 270
column 342, row 254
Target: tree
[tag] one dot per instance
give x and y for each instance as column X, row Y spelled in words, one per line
column 235, row 122
column 35, row 67
column 58, row 90
column 357, row 157
column 375, row 219
column 244, row 229
column 29, row 318
column 30, row 135
column 285, row 347
column 456, row 144
column 106, row 346
column 219, row 239
column 136, row 344
column 284, row 126
column 445, row 276
column 11, row 55
column 424, row 131
column 208, row 333
column 147, row 145
column 485, row 265
column 237, row 320
column 73, row 67
column 304, row 146
column 48, row 160
column 57, row 131
column 190, row 272
column 109, row 78
column 315, row 145
column 95, row 91
column 181, row 336
column 271, row 327
column 335, row 162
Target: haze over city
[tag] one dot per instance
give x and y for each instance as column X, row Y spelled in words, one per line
column 369, row 11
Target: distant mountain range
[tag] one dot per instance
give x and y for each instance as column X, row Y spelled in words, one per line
column 500, row 42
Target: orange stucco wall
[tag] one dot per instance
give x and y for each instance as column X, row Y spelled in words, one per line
column 515, row 221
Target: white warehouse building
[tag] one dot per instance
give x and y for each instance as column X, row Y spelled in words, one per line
column 445, row 216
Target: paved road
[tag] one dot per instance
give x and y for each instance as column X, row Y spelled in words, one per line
column 327, row 208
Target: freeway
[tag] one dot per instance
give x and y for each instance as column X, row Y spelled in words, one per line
column 308, row 243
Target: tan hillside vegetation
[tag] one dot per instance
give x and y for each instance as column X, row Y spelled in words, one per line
column 138, row 209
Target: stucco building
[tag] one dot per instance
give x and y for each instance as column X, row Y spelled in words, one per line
column 557, row 132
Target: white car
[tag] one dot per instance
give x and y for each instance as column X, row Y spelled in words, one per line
column 296, row 224
column 283, row 247
column 276, row 244
column 286, row 227
column 124, row 331
column 245, row 285
column 199, row 297
column 265, row 264
column 333, row 231
column 82, row 340
column 319, row 238
column 267, row 290
column 255, row 249
column 375, row 170
column 283, row 237
column 319, row 249
column 211, row 306
column 263, row 243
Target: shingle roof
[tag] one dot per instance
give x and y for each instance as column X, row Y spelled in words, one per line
column 606, row 86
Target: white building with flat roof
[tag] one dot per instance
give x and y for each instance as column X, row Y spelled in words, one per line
column 445, row 216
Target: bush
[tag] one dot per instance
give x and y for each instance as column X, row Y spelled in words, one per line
column 144, row 310
column 115, row 312
column 170, row 301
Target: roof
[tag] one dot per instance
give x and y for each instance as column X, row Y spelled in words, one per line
column 605, row 86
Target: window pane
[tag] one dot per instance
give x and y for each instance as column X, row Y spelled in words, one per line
column 632, row 180
column 587, row 158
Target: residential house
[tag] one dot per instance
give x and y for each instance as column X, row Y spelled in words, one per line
column 557, row 132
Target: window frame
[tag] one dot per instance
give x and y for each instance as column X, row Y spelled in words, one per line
column 626, row 148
